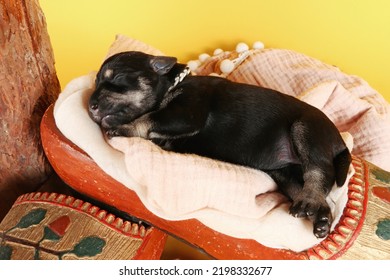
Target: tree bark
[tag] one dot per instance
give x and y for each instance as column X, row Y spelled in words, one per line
column 28, row 84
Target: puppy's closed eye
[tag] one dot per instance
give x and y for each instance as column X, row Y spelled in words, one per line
column 131, row 80
column 118, row 82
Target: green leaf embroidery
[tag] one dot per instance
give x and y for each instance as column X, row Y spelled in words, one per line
column 50, row 235
column 34, row 217
column 36, row 254
column 383, row 230
column 381, row 175
column 89, row 246
column 5, row 252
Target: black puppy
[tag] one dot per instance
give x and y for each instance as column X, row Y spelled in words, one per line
column 296, row 144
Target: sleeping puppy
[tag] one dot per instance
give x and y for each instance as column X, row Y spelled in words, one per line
column 296, row 144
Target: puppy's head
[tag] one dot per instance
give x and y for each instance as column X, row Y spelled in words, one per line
column 129, row 85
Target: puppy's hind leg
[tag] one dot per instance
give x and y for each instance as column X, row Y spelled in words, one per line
column 289, row 180
column 318, row 176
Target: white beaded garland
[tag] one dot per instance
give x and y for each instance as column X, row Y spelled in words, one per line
column 258, row 45
column 193, row 64
column 226, row 66
column 242, row 47
column 218, row 51
column 203, row 57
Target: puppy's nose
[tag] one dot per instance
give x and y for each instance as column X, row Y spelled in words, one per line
column 93, row 107
column 93, row 110
column 93, row 104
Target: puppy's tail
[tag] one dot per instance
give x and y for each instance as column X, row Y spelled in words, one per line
column 341, row 164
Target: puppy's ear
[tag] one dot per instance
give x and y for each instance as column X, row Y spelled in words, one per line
column 162, row 64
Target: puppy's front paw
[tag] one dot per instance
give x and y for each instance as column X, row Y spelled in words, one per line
column 110, row 133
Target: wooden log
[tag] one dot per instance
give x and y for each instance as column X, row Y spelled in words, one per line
column 28, row 84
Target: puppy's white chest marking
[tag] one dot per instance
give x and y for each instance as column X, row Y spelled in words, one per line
column 140, row 127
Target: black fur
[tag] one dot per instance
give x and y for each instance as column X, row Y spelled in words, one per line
column 295, row 143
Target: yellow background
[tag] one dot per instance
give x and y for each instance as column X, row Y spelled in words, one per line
column 351, row 34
